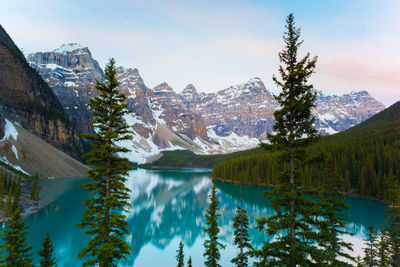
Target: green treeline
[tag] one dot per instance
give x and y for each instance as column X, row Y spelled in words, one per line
column 365, row 156
column 10, row 192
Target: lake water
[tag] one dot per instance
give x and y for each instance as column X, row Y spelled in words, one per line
column 168, row 206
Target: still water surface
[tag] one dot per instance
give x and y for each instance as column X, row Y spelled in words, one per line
column 168, row 206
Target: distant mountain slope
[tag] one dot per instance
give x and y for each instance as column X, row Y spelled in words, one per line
column 247, row 109
column 26, row 99
column 230, row 120
column 32, row 155
column 365, row 156
column 72, row 73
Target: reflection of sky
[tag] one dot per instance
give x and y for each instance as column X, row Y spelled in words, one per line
column 168, row 206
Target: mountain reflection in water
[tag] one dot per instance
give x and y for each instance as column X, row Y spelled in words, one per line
column 168, row 205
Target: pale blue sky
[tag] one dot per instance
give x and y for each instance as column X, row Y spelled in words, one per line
column 214, row 44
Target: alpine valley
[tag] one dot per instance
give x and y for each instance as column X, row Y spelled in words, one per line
column 232, row 119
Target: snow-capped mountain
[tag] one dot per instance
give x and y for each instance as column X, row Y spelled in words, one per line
column 247, row 109
column 231, row 119
column 71, row 72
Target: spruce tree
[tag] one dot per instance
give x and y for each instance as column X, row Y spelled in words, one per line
column 382, row 258
column 189, row 263
column 34, row 190
column 47, row 253
column 242, row 238
column 16, row 194
column 14, row 243
column 9, row 202
column 292, row 224
column 333, row 223
column 2, row 189
column 103, row 218
column 212, row 245
column 392, row 223
column 370, row 249
column 180, row 257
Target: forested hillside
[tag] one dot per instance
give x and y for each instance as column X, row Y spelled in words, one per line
column 365, row 156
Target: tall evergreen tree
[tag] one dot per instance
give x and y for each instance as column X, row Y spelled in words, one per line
column 9, row 202
column 382, row 250
column 34, row 190
column 370, row 250
column 333, row 223
column 16, row 194
column 212, row 245
column 2, row 188
column 47, row 253
column 189, row 263
column 103, row 218
column 392, row 224
column 180, row 257
column 242, row 238
column 295, row 214
column 14, row 243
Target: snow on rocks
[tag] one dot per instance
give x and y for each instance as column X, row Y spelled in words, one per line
column 9, row 131
column 68, row 48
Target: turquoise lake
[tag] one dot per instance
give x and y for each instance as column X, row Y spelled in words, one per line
column 168, row 206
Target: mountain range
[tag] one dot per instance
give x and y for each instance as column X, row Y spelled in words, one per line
column 228, row 120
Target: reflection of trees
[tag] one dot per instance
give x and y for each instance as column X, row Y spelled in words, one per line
column 170, row 204
column 174, row 209
column 362, row 213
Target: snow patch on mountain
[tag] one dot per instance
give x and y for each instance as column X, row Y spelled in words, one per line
column 68, row 48
column 15, row 151
column 9, row 131
column 17, row 167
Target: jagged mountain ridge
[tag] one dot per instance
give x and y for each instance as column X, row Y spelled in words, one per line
column 231, row 119
column 247, row 109
column 72, row 73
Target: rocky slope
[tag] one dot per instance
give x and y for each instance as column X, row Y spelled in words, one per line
column 71, row 72
column 247, row 109
column 31, row 155
column 27, row 100
column 231, row 119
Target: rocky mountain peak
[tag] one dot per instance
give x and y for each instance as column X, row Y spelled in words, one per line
column 68, row 48
column 190, row 89
column 253, row 87
column 163, row 88
column 72, row 73
column 130, row 82
column 128, row 72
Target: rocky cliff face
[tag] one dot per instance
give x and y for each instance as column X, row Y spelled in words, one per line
column 338, row 113
column 169, row 108
column 247, row 109
column 72, row 73
column 27, row 100
column 231, row 119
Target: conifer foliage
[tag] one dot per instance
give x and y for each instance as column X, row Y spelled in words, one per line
column 180, row 257
column 295, row 213
column 391, row 229
column 14, row 243
column 212, row 245
column 370, row 258
column 242, row 238
column 333, row 222
column 189, row 263
column 103, row 219
column 46, row 253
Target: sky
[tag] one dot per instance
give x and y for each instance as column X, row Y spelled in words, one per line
column 215, row 44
